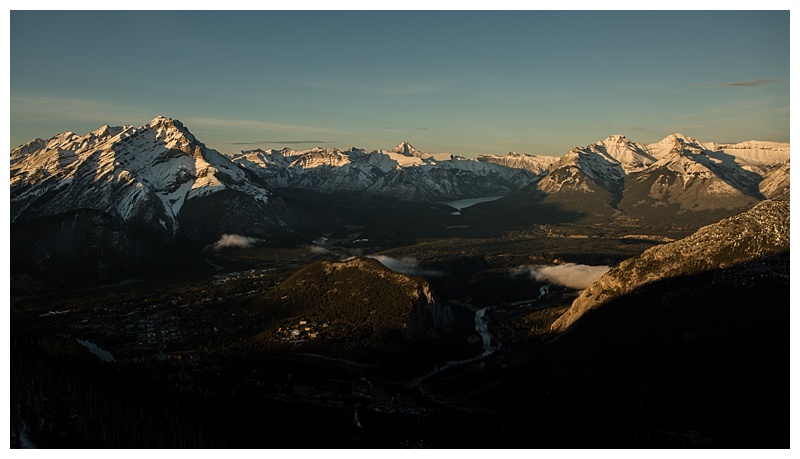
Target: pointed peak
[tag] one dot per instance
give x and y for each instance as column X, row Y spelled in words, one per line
column 678, row 137
column 159, row 120
column 64, row 136
column 172, row 128
column 405, row 148
column 164, row 122
column 107, row 131
column 616, row 138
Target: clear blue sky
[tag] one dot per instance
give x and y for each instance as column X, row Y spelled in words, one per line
column 468, row 83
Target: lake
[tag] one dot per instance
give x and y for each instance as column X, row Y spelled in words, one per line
column 464, row 203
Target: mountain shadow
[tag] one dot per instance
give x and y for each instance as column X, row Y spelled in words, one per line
column 693, row 361
column 725, row 167
column 76, row 249
column 531, row 206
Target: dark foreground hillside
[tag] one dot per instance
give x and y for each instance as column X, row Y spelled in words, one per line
column 697, row 361
column 705, row 364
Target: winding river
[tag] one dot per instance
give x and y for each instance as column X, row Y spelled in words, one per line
column 482, row 327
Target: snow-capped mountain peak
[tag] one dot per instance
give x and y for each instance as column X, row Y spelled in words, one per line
column 144, row 174
column 614, row 139
column 673, row 143
column 405, row 148
column 631, row 156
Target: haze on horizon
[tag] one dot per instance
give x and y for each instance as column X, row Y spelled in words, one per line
column 464, row 82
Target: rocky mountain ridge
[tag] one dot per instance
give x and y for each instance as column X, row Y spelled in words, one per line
column 734, row 169
column 760, row 232
column 402, row 173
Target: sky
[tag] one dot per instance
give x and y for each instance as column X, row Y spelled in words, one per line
column 462, row 82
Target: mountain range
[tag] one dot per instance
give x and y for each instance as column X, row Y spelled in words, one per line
column 403, row 172
column 153, row 170
column 679, row 177
column 159, row 183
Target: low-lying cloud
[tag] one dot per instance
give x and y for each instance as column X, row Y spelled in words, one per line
column 234, row 241
column 407, row 265
column 569, row 275
column 318, row 249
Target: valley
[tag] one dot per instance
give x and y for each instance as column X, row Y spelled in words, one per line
column 195, row 340
column 197, row 334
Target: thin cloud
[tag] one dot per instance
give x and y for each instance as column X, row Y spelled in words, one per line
column 81, row 110
column 407, row 129
column 740, row 84
column 386, row 90
column 751, row 83
column 634, row 128
column 254, row 125
column 282, row 142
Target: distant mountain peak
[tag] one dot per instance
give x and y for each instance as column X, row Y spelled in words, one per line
column 160, row 119
column 682, row 139
column 405, row 148
column 615, row 138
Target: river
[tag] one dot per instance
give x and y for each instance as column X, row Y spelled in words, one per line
column 482, row 327
column 101, row 353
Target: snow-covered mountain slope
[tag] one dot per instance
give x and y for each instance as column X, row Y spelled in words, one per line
column 760, row 232
column 755, row 152
column 604, row 164
column 667, row 144
column 143, row 176
column 678, row 170
column 536, row 164
column 776, row 183
column 402, row 172
column 700, row 176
